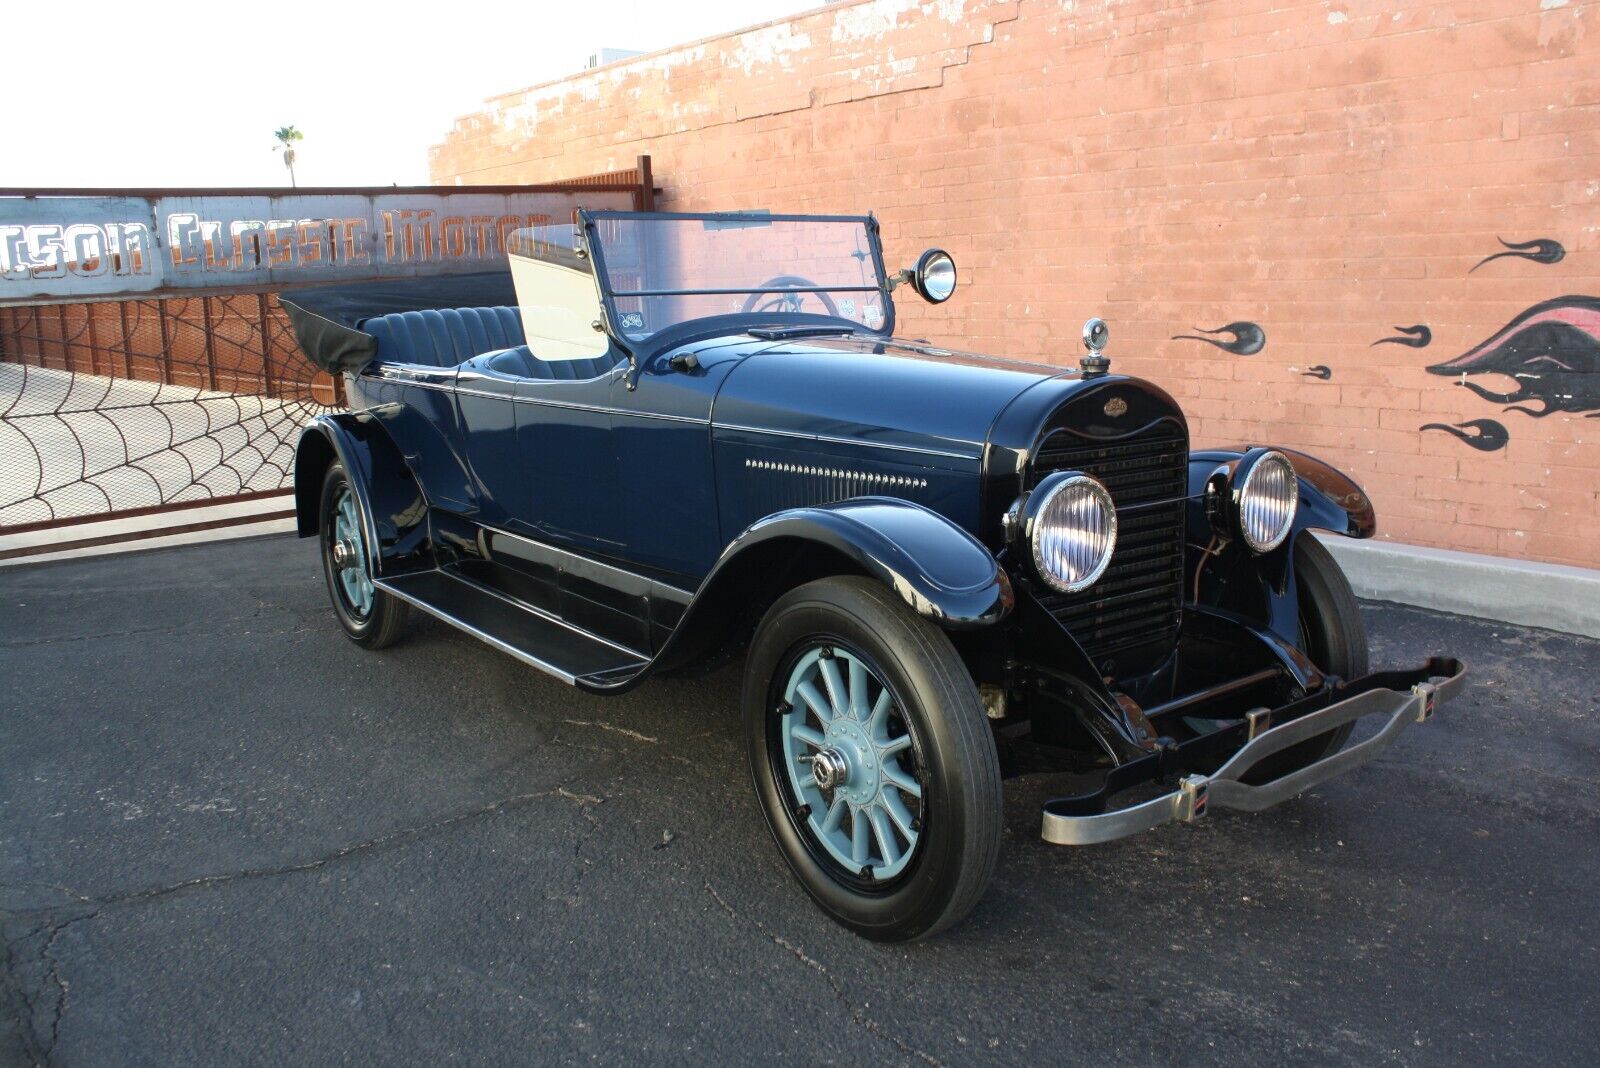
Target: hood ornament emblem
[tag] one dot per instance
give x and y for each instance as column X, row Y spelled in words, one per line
column 1095, row 336
column 1116, row 407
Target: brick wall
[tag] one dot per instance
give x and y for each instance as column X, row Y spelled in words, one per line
column 1318, row 174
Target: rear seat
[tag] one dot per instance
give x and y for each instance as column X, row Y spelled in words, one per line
column 445, row 337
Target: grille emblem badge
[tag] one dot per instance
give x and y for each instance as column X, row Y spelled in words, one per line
column 1115, row 407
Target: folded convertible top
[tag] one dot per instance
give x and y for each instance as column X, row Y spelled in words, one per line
column 327, row 319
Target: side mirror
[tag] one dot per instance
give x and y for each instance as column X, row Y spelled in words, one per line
column 934, row 276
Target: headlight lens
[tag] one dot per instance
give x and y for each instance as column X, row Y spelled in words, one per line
column 935, row 276
column 1267, row 502
column 1074, row 531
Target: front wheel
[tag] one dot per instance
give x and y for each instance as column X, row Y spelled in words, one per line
column 370, row 616
column 872, row 759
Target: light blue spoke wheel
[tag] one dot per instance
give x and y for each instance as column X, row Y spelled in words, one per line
column 850, row 759
column 872, row 758
column 349, row 551
column 369, row 616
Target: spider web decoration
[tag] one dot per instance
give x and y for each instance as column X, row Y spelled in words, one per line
column 122, row 405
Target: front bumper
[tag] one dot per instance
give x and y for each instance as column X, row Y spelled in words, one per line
column 1401, row 697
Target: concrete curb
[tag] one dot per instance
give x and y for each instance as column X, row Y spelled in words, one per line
column 1490, row 587
column 189, row 524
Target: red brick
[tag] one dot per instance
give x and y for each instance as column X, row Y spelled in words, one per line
column 1174, row 167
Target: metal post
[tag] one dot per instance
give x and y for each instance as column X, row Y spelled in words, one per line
column 211, row 349
column 66, row 347
column 647, row 185
column 266, row 345
column 94, row 340
column 166, row 342
column 127, row 340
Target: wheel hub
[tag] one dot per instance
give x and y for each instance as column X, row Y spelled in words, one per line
column 830, row 769
column 851, row 749
column 344, row 555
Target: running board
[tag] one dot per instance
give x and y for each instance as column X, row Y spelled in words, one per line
column 536, row 638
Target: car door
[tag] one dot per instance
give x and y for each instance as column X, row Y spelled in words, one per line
column 662, row 431
column 569, row 460
column 547, row 462
column 486, row 397
column 417, row 406
column 538, row 437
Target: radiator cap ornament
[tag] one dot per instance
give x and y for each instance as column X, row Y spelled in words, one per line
column 1095, row 336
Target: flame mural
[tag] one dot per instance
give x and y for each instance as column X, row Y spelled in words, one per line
column 1245, row 338
column 1539, row 250
column 1551, row 351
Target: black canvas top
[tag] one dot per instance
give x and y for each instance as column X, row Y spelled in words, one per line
column 327, row 319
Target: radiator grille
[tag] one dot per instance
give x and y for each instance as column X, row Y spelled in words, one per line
column 1137, row 605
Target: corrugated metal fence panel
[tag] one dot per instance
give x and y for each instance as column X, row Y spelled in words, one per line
column 76, row 248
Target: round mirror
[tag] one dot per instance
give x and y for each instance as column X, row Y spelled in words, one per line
column 935, row 276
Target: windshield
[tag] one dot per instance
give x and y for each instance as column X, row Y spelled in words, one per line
column 661, row 270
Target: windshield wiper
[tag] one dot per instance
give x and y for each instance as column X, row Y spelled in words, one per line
column 784, row 333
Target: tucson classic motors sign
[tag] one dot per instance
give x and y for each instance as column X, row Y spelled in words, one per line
column 76, row 247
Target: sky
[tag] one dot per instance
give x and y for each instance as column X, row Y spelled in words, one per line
column 184, row 93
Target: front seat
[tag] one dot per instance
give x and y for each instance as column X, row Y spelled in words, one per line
column 520, row 361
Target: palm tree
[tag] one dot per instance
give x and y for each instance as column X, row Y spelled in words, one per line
column 287, row 136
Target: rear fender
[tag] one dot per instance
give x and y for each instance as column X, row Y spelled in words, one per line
column 1223, row 573
column 393, row 510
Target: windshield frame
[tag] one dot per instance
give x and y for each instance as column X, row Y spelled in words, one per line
column 737, row 321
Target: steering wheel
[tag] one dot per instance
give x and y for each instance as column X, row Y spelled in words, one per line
column 786, row 302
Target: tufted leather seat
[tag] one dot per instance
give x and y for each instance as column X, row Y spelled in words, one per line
column 444, row 337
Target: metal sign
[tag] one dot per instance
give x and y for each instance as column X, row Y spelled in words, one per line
column 77, row 247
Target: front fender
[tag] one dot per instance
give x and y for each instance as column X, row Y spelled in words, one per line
column 938, row 569
column 941, row 572
column 1329, row 499
column 391, row 505
column 1223, row 574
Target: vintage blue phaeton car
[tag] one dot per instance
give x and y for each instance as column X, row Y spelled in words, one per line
column 661, row 440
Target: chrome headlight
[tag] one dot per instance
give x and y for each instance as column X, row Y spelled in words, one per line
column 934, row 276
column 1071, row 524
column 1266, row 502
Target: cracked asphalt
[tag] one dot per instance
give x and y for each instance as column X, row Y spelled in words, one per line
column 228, row 835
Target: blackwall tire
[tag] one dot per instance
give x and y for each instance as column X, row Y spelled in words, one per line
column 371, row 618
column 943, row 742
column 1333, row 635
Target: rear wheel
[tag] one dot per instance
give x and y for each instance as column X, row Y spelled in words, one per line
column 1333, row 635
column 369, row 616
column 872, row 759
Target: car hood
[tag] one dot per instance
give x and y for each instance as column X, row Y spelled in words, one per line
column 899, row 394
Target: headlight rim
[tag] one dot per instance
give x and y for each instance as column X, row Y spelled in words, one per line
column 1257, row 464
column 1037, row 503
column 921, row 272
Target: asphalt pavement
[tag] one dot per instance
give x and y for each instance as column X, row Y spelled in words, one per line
column 228, row 835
